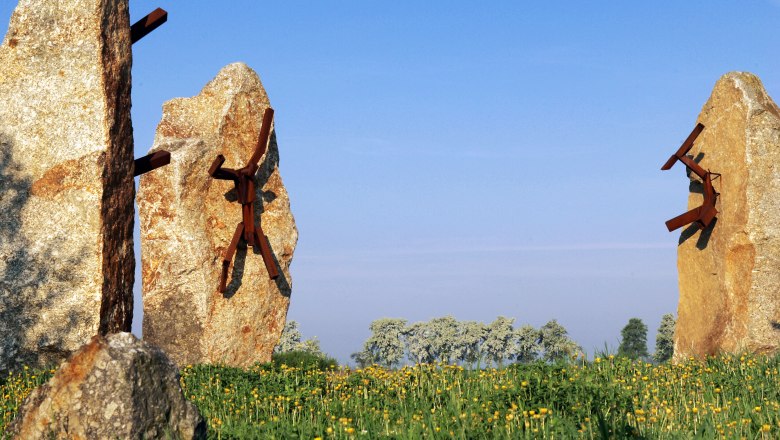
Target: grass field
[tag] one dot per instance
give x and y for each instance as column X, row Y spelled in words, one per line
column 728, row 397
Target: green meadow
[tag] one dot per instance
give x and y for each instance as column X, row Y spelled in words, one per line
column 610, row 397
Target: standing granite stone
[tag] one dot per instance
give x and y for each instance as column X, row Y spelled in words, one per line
column 188, row 219
column 115, row 387
column 729, row 274
column 66, row 184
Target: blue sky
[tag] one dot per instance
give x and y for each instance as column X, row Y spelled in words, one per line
column 470, row 158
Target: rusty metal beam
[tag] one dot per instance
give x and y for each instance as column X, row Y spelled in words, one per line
column 262, row 138
column 704, row 214
column 244, row 181
column 150, row 162
column 144, row 26
column 684, row 148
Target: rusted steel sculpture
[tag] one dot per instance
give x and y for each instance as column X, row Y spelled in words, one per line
column 244, row 181
column 140, row 29
column 150, row 162
column 144, row 26
column 704, row 214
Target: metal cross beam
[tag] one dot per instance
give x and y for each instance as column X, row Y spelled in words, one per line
column 150, row 162
column 144, row 26
column 704, row 214
column 244, row 181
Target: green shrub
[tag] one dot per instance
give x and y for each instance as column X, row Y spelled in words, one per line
column 303, row 360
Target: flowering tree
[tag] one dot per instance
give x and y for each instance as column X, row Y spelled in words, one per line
column 385, row 345
column 555, row 342
column 418, row 343
column 526, row 344
column 290, row 340
column 470, row 335
column 443, row 337
column 498, row 340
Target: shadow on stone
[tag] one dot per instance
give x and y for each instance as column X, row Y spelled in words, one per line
column 22, row 271
column 237, row 276
column 706, row 233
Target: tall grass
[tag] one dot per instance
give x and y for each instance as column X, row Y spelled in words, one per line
column 728, row 396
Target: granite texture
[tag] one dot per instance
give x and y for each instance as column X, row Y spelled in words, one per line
column 729, row 273
column 115, row 387
column 66, row 186
column 188, row 219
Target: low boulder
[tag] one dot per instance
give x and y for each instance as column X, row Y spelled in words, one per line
column 113, row 387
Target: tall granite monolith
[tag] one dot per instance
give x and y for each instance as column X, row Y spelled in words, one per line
column 729, row 273
column 188, row 219
column 66, row 185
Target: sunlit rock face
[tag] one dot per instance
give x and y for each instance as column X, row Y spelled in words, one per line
column 114, row 387
column 66, row 184
column 188, row 220
column 729, row 274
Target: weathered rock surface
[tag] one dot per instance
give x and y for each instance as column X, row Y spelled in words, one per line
column 113, row 387
column 188, row 220
column 66, row 185
column 729, row 274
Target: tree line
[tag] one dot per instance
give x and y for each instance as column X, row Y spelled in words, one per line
column 394, row 341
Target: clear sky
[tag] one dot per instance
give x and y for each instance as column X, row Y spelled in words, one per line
column 469, row 158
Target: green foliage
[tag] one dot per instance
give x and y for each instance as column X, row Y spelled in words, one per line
column 527, row 344
column 15, row 387
column 633, row 343
column 554, row 340
column 664, row 339
column 611, row 397
column 304, row 360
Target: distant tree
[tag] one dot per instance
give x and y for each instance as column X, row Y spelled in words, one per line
column 443, row 334
column 664, row 340
column 385, row 345
column 362, row 359
column 290, row 339
column 470, row 335
column 555, row 342
column 418, row 343
column 633, row 343
column 497, row 345
column 526, row 344
column 311, row 345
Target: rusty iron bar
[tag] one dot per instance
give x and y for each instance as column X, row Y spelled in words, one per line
column 244, row 181
column 262, row 138
column 702, row 215
column 684, row 148
column 151, row 162
column 146, row 25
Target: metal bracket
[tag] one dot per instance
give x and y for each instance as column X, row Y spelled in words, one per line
column 146, row 25
column 244, row 181
column 704, row 214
